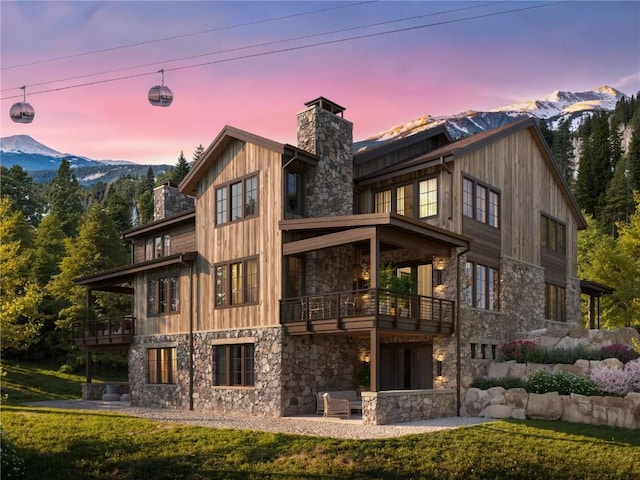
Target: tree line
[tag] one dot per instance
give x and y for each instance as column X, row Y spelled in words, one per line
column 51, row 234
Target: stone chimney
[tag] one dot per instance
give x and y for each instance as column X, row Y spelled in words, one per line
column 322, row 130
column 168, row 201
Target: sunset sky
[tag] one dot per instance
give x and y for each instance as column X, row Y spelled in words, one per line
column 442, row 61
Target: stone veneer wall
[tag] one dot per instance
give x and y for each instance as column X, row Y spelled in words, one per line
column 398, row 406
column 168, row 201
column 329, row 189
column 95, row 391
column 316, row 363
column 521, row 296
column 264, row 398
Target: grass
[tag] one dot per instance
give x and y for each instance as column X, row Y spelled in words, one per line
column 63, row 444
column 30, row 381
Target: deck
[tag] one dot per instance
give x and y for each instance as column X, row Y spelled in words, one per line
column 101, row 334
column 361, row 310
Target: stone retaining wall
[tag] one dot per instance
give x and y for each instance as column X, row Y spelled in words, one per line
column 398, row 406
column 524, row 370
column 94, row 391
column 563, row 337
column 516, row 403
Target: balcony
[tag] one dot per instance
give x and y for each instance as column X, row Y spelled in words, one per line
column 361, row 310
column 102, row 334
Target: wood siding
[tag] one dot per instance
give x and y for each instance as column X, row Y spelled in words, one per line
column 257, row 236
column 183, row 239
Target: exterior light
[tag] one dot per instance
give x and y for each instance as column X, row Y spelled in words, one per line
column 439, row 360
column 439, row 264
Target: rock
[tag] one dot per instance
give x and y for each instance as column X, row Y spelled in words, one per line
column 517, row 398
column 548, row 342
column 584, row 367
column 613, row 363
column 499, row 370
column 546, row 406
column 497, row 411
column 519, row 413
column 624, row 335
column 561, row 367
column 576, row 408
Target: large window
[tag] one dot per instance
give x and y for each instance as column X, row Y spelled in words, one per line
column 554, row 297
column 403, row 200
column 236, row 283
column 553, row 234
column 480, row 202
column 162, row 365
column 482, row 286
column 163, row 295
column 237, row 200
column 157, row 247
column 234, row 364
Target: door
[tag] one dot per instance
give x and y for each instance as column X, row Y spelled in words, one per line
column 406, row 366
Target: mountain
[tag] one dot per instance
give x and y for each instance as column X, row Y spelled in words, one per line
column 556, row 107
column 42, row 162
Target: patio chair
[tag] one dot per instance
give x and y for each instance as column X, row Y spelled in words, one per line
column 336, row 407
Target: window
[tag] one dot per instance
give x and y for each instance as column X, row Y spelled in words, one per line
column 428, row 194
column 162, row 365
column 237, row 200
column 554, row 308
column 482, row 286
column 383, row 202
column 553, row 234
column 294, row 192
column 157, row 247
column 162, row 295
column 402, row 200
column 480, row 202
column 236, row 283
column 234, row 364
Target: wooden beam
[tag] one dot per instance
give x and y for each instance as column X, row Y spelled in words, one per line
column 329, row 240
column 374, row 359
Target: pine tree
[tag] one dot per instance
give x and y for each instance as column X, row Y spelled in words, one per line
column 17, row 185
column 547, row 134
column 65, row 198
column 181, row 169
column 119, row 211
column 97, row 247
column 197, row 153
column 145, row 208
column 562, row 149
column 619, row 204
column 634, row 152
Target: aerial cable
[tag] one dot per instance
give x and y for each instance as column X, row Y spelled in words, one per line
column 300, row 47
column 264, row 44
column 175, row 37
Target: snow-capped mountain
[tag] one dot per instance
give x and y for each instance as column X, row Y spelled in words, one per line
column 42, row 162
column 554, row 108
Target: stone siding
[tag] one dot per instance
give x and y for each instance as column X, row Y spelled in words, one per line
column 316, row 363
column 383, row 408
column 95, row 391
column 521, row 295
column 168, row 201
column 516, row 403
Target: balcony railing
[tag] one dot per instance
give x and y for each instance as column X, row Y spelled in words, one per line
column 113, row 331
column 384, row 309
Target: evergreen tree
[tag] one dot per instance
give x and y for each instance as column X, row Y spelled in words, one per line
column 634, row 152
column 97, row 247
column 615, row 140
column 197, row 153
column 48, row 251
column 181, row 169
column 65, row 199
column 619, row 204
column 19, row 322
column 145, row 208
column 17, row 185
column 119, row 211
column 562, row 149
column 547, row 134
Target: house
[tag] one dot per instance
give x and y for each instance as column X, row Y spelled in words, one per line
column 295, row 266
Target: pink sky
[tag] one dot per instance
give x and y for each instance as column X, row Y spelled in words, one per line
column 479, row 64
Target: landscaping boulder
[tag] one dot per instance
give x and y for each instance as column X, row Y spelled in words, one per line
column 545, row 406
column 497, row 411
column 517, row 398
column 576, row 408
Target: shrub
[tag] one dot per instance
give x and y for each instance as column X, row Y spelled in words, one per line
column 562, row 382
column 611, row 380
column 13, row 465
column 633, row 371
column 622, row 352
column 505, row 382
column 570, row 355
column 518, row 350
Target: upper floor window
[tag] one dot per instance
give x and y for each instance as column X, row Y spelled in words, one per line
column 553, row 234
column 234, row 364
column 482, row 286
column 162, row 365
column 403, row 200
column 294, row 192
column 156, row 247
column 237, row 200
column 554, row 305
column 480, row 202
column 236, row 283
column 162, row 295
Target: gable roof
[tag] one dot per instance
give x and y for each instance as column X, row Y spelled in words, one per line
column 227, row 135
column 452, row 151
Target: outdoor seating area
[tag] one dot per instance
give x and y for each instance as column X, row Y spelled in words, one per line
column 338, row 403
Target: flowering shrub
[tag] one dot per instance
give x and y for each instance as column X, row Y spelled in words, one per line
column 618, row 381
column 519, row 350
column 622, row 352
column 505, row 382
column 562, row 382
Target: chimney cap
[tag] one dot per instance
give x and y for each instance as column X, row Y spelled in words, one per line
column 326, row 104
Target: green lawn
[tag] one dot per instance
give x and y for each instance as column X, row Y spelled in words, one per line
column 64, row 444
